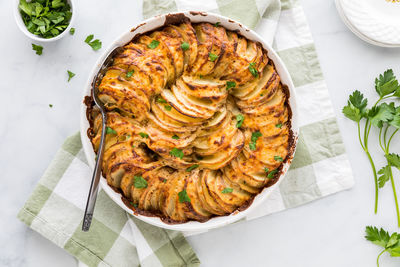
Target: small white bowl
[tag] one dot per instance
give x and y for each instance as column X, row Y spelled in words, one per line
column 154, row 23
column 22, row 27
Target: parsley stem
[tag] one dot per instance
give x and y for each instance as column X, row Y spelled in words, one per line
column 380, row 139
column 375, row 179
column 367, row 129
column 394, row 194
column 359, row 135
column 377, row 259
column 390, row 139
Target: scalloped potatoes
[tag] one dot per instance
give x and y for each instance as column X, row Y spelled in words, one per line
column 175, row 147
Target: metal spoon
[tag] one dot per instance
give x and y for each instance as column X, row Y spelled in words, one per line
column 94, row 186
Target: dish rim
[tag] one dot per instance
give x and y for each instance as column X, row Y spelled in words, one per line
column 194, row 16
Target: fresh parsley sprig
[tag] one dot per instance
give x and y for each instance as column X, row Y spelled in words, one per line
column 389, row 243
column 386, row 117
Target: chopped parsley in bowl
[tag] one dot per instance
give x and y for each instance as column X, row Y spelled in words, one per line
column 44, row 20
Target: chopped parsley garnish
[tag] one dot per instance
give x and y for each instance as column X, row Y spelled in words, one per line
column 266, row 169
column 183, row 196
column 230, row 84
column 217, row 24
column 272, row 173
column 279, row 125
column 70, row 75
column 161, row 100
column 212, row 57
column 46, row 19
column 72, row 31
column 227, row 190
column 253, row 70
column 168, row 107
column 191, row 168
column 153, row 44
column 201, row 76
column 278, row 158
column 175, row 137
column 51, row 105
column 176, row 152
column 254, row 137
column 38, row 49
column 239, row 119
column 164, row 180
column 110, row 130
column 139, row 182
column 185, row 46
column 130, row 73
column 95, row 45
column 143, row 135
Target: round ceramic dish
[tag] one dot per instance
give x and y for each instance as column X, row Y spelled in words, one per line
column 374, row 21
column 154, row 23
column 22, row 27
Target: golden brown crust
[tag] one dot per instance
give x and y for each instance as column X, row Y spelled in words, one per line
column 173, row 122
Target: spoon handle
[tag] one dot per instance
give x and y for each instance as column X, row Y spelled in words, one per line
column 94, row 186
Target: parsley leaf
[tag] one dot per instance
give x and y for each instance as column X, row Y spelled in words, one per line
column 161, row 100
column 139, row 182
column 168, row 107
column 239, row 119
column 95, row 45
column 385, row 176
column 266, row 169
column 394, row 160
column 183, row 196
column 176, row 152
column 227, row 190
column 357, row 100
column 89, row 38
column 380, row 238
column 386, row 83
column 254, row 138
column 153, row 44
column 143, row 135
column 212, row 57
column 51, row 105
column 253, row 70
column 390, row 243
column 130, row 73
column 110, row 130
column 278, row 158
column 185, row 46
column 230, row 84
column 70, row 75
column 352, row 112
column 217, row 24
column 191, row 168
column 175, row 137
column 72, row 31
column 279, row 125
column 272, row 173
column 38, row 49
column 380, row 114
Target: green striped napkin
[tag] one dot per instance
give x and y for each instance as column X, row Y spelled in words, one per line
column 320, row 166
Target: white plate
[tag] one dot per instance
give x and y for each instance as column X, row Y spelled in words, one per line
column 374, row 21
column 152, row 24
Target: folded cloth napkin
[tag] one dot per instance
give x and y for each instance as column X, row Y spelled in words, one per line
column 320, row 166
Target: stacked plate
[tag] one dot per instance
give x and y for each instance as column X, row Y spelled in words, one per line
column 374, row 21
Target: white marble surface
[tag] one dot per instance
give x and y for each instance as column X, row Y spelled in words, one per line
column 328, row 232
